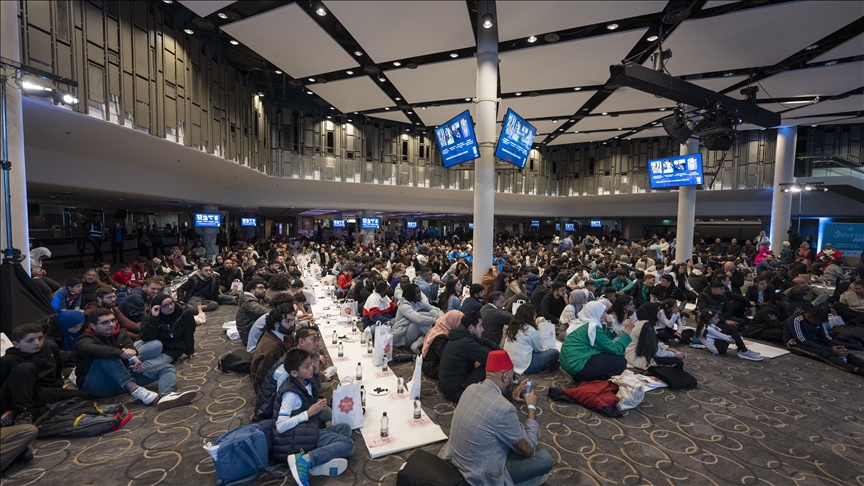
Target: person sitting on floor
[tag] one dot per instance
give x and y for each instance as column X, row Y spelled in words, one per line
column 140, row 272
column 464, row 358
column 768, row 322
column 851, row 304
column 298, row 434
column 474, row 301
column 106, row 298
column 278, row 338
column 260, row 324
column 31, row 376
column 593, row 351
column 495, row 318
column 67, row 305
column 171, row 325
column 487, row 443
column 378, row 306
column 834, row 274
column 436, row 340
column 228, row 274
column 90, row 283
column 124, row 275
column 107, row 364
column 413, row 320
column 522, row 342
column 203, row 289
column 717, row 334
column 252, row 306
column 645, row 350
column 137, row 303
column 15, row 443
column 668, row 323
column 806, row 335
column 104, row 271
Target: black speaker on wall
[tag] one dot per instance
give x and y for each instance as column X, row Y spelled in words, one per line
column 677, row 128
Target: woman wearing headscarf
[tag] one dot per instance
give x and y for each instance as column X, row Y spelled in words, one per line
column 802, row 255
column 645, row 350
column 38, row 273
column 173, row 325
column 593, row 350
column 436, row 339
column 578, row 299
column 785, row 257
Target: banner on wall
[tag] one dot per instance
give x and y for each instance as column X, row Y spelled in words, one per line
column 846, row 237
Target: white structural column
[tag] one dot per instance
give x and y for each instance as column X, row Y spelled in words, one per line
column 686, row 212
column 10, row 49
column 208, row 235
column 366, row 235
column 784, row 171
column 484, row 176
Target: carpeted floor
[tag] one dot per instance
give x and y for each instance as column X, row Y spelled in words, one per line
column 787, row 421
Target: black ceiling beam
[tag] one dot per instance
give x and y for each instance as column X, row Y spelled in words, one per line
column 662, row 84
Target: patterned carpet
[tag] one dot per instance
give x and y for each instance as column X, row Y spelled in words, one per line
column 787, row 421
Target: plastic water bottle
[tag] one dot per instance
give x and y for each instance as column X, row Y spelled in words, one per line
column 363, row 337
column 341, row 349
column 418, row 412
column 385, row 425
column 369, row 347
column 400, row 386
column 385, row 366
column 353, row 325
column 359, row 375
column 363, row 396
column 335, row 337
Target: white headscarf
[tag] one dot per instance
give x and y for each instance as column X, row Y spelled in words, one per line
column 35, row 257
column 591, row 315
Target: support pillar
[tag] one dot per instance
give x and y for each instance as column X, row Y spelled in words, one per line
column 784, row 171
column 484, row 176
column 686, row 212
column 366, row 236
column 208, row 235
column 10, row 48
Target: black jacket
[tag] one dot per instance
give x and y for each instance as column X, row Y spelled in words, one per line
column 470, row 305
column 248, row 312
column 90, row 347
column 537, row 296
column 551, row 308
column 718, row 303
column 769, row 316
column 227, row 277
column 136, row 305
column 494, row 322
column 195, row 285
column 178, row 337
column 752, row 294
column 671, row 292
column 457, row 360
column 47, row 360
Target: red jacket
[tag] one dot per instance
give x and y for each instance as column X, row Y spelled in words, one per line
column 344, row 281
column 594, row 394
column 122, row 278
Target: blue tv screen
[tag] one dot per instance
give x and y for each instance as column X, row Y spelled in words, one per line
column 535, row 223
column 248, row 221
column 684, row 170
column 470, row 225
column 456, row 140
column 515, row 140
column 338, row 223
column 569, row 226
column 370, row 223
column 411, row 224
column 557, row 226
column 207, row 220
column 596, row 223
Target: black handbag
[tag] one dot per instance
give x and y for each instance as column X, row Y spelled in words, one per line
column 425, row 469
column 676, row 378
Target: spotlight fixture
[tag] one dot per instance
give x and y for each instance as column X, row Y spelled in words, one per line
column 612, row 26
column 532, row 39
column 358, row 53
column 222, row 15
column 454, row 55
column 349, row 73
column 329, row 117
column 311, row 80
column 407, row 129
column 382, row 79
column 467, row 99
column 555, row 121
column 422, row 107
column 188, row 31
column 398, row 98
column 278, row 71
column 350, row 120
column 577, row 88
column 518, row 94
column 234, row 42
column 410, row 112
column 386, row 108
column 309, row 92
column 69, row 99
column 260, row 93
column 575, row 131
column 168, row 1
column 604, row 113
column 34, row 87
column 332, row 108
column 662, row 109
column 652, row 38
column 397, row 63
column 321, row 12
column 487, row 21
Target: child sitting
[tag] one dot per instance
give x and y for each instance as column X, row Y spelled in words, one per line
column 31, row 375
column 716, row 341
column 296, row 433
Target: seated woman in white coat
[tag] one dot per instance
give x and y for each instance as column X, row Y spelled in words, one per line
column 414, row 318
column 522, row 342
column 645, row 350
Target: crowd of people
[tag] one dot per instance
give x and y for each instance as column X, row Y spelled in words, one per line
column 614, row 304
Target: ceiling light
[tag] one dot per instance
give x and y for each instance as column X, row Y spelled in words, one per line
column 813, row 126
column 332, row 108
column 358, row 53
column 30, row 86
column 532, row 39
column 612, row 26
column 652, row 38
column 810, row 48
column 555, row 121
column 519, row 94
column 407, row 129
column 309, row 92
column 398, row 98
column 382, row 79
column 311, row 80
column 410, row 112
column 168, row 1
column 584, row 109
column 278, row 72
column 726, row 75
column 388, row 109
column 620, row 129
column 467, row 99
column 233, row 42
column 795, row 189
column 356, row 112
column 454, row 55
column 560, row 129
column 575, row 131
column 70, row 99
column 576, row 88
column 329, row 117
column 417, row 122
column 188, row 31
column 321, row 12
column 422, row 107
column 350, row 120
column 397, row 63
column 604, row 113
column 831, row 63
column 221, row 15
column 487, row 20
column 260, row 93
column 662, row 109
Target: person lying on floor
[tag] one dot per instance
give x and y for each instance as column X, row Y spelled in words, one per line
column 297, row 429
column 31, row 376
column 107, row 364
column 807, row 335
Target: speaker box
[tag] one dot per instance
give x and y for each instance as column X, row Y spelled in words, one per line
column 676, row 127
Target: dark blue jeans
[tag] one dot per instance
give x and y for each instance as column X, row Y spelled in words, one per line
column 542, row 360
column 333, row 442
column 527, row 471
column 109, row 377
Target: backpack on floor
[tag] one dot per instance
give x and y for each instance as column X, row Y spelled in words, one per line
column 239, row 361
column 240, row 454
column 425, row 469
column 77, row 417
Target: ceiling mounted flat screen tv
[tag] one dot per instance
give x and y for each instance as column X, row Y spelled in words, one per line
column 456, row 140
column 470, row 225
column 411, row 224
column 535, row 223
column 596, row 223
column 248, row 221
column 208, row 220
column 683, row 170
column 338, row 223
column 569, row 226
column 515, row 141
column 370, row 223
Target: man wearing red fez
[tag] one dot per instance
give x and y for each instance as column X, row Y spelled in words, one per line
column 487, row 443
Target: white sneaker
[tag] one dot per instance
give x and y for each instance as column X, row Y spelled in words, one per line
column 175, row 399
column 333, row 467
column 750, row 355
column 146, row 396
